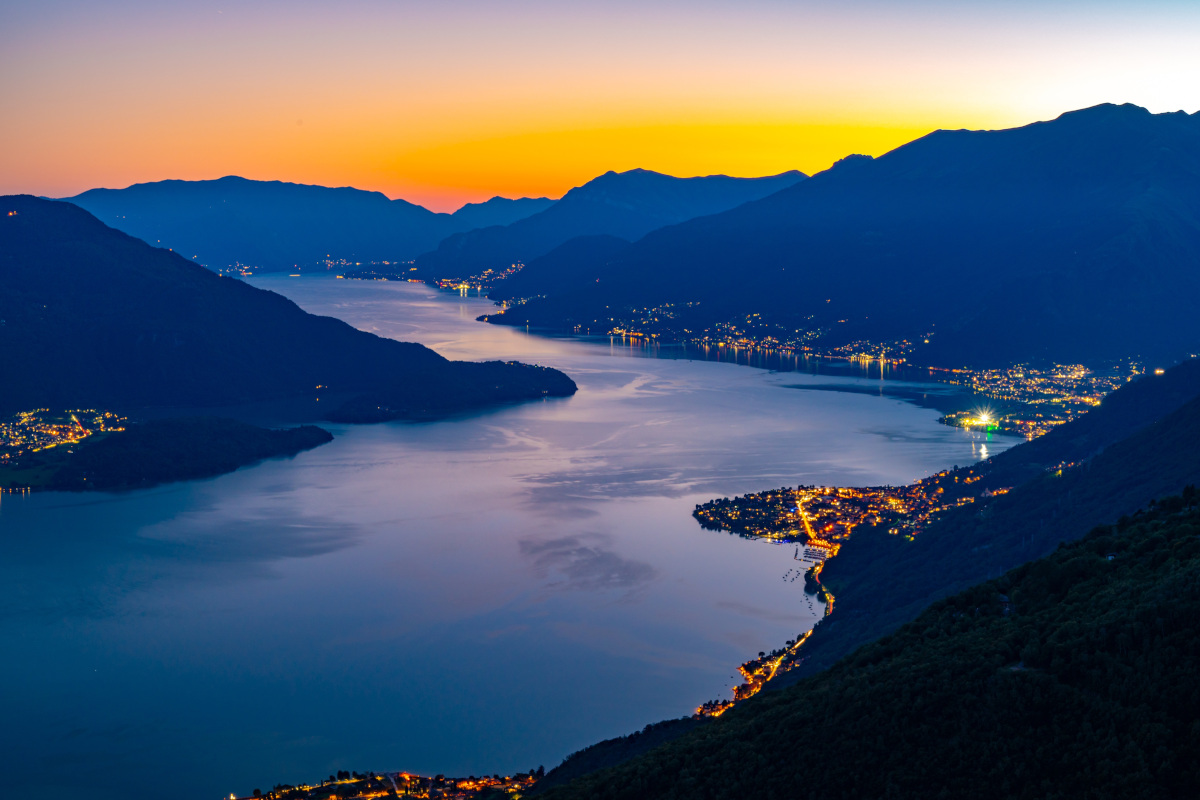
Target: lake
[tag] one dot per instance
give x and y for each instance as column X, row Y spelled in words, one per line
column 479, row 595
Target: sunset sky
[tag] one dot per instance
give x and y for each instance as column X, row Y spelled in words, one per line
column 454, row 101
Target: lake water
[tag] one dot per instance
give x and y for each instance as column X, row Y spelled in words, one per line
column 473, row 596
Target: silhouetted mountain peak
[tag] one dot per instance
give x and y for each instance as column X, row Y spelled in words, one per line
column 499, row 211
column 1107, row 111
column 1090, row 219
column 627, row 205
column 646, row 187
column 851, row 161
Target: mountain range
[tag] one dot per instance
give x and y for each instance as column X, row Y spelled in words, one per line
column 272, row 225
column 1070, row 240
column 625, row 205
column 92, row 317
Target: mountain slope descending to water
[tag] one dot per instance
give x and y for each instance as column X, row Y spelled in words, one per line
column 91, row 317
column 627, row 205
column 1070, row 677
column 583, row 259
column 273, row 225
column 159, row 451
column 1070, row 240
column 882, row 581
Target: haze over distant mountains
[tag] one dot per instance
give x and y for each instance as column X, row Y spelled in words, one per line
column 92, row 317
column 626, row 205
column 273, row 225
column 1070, row 240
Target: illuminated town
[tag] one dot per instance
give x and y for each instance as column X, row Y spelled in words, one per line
column 1036, row 400
column 758, row 671
column 40, row 429
column 354, row 786
column 818, row 519
column 1029, row 401
column 482, row 282
column 470, row 286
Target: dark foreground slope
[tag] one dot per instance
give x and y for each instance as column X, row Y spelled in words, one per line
column 94, row 318
column 1135, row 447
column 1069, row 240
column 1069, row 677
column 627, row 205
column 1139, row 445
column 274, row 225
column 159, row 451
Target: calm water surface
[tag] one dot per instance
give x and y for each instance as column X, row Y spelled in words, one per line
column 474, row 596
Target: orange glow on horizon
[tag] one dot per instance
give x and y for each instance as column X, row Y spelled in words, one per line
column 549, row 163
column 444, row 176
column 442, row 104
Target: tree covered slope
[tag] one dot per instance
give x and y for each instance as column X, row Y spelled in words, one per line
column 158, row 451
column 1072, row 676
column 882, row 581
column 91, row 317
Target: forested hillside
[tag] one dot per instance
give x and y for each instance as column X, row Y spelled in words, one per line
column 158, row 451
column 1069, row 677
column 881, row 581
column 93, row 318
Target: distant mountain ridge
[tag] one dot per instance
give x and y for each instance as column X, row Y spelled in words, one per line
column 498, row 211
column 1070, row 240
column 92, row 317
column 626, row 205
column 274, row 225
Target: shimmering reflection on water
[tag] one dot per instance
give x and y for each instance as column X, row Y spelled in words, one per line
column 481, row 595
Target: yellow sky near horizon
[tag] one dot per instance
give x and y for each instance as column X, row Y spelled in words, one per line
column 462, row 100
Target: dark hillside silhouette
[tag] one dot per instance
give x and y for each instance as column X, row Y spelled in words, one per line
column 1071, row 240
column 1071, row 676
column 627, row 205
column 91, row 317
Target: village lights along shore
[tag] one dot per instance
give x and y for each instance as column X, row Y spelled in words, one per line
column 816, row 520
column 1031, row 400
column 349, row 785
column 40, row 429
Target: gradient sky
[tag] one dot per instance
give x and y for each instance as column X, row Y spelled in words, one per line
column 452, row 101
